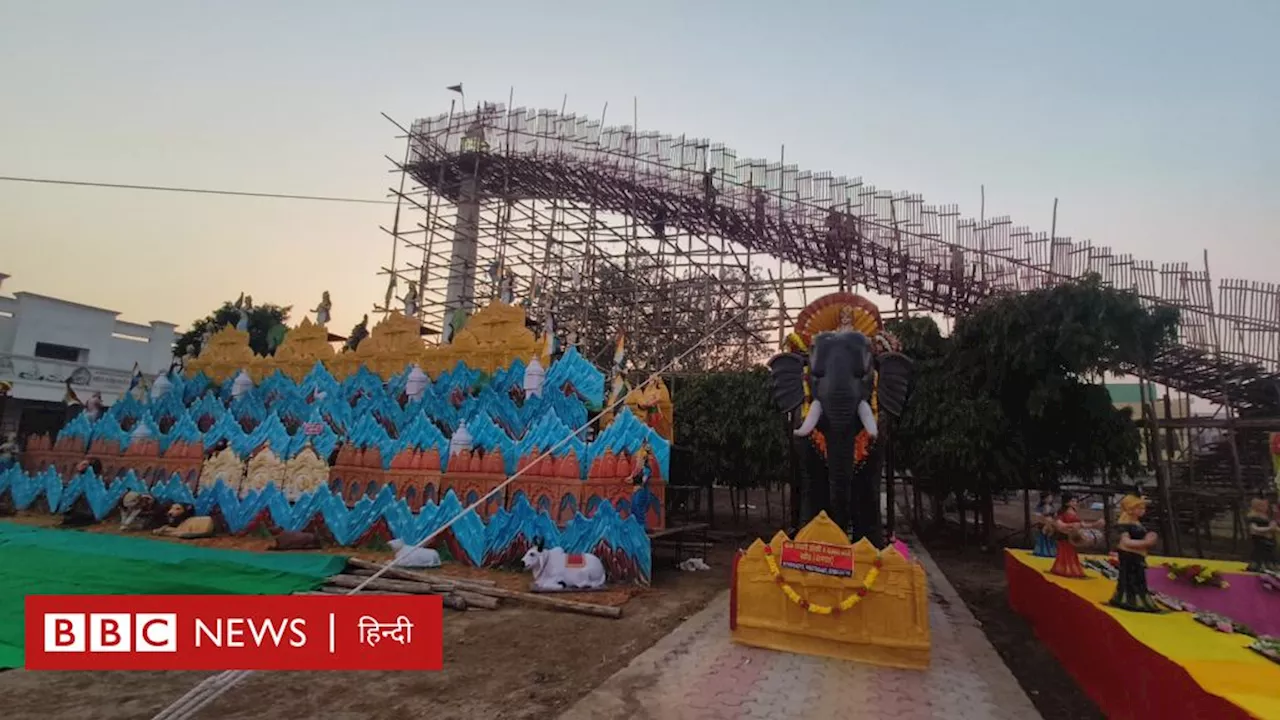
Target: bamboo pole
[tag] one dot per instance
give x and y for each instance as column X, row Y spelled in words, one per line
column 340, row 584
column 439, row 588
column 529, row 598
column 451, row 600
column 403, row 574
column 1169, row 531
column 1228, row 407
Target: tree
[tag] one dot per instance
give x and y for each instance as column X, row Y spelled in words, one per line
column 264, row 324
column 1007, row 402
column 729, row 430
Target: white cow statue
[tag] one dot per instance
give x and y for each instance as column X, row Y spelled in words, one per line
column 414, row 557
column 555, row 570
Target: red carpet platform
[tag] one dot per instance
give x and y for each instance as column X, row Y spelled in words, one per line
column 1138, row 666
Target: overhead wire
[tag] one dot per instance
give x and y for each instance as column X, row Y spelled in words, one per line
column 197, row 191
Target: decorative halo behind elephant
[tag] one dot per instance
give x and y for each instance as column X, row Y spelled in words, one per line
column 839, row 380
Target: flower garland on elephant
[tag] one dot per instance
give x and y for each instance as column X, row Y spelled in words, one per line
column 843, row 606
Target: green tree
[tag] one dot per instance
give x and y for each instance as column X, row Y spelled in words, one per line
column 266, row 323
column 729, row 430
column 1007, row 401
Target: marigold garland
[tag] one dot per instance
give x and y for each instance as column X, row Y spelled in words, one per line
column 844, row 605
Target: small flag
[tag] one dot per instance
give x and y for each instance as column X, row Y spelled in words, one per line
column 312, row 428
column 455, row 88
column 620, row 352
column 138, row 382
column 70, row 397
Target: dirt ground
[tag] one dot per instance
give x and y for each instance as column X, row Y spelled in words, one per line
column 979, row 579
column 511, row 663
column 518, row 662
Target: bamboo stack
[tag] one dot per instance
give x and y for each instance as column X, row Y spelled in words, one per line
column 458, row 593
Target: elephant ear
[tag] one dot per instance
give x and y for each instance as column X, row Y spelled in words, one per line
column 896, row 370
column 787, row 372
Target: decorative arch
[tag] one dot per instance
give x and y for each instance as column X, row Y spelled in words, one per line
column 515, row 497
column 568, row 507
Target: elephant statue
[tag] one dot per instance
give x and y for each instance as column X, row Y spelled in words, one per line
column 836, row 395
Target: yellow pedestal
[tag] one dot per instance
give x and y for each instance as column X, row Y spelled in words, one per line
column 889, row 626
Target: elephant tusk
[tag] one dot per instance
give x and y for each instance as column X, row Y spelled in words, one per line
column 810, row 420
column 868, row 419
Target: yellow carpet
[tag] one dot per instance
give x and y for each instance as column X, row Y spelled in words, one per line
column 1221, row 663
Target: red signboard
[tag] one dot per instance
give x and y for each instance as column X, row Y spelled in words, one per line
column 821, row 558
column 249, row 632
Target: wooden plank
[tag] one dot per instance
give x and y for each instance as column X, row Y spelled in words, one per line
column 453, row 601
column 496, row 592
column 473, row 599
column 556, row 604
column 421, row 575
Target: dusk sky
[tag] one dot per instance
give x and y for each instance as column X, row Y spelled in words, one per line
column 1153, row 121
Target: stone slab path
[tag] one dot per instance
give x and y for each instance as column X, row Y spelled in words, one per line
column 697, row 672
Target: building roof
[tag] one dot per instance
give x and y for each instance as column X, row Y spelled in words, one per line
column 49, row 298
column 73, row 303
column 1129, row 393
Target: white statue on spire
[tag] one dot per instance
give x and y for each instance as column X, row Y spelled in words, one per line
column 416, row 384
column 411, row 300
column 244, row 306
column 322, row 310
column 241, row 385
column 534, row 375
column 461, row 440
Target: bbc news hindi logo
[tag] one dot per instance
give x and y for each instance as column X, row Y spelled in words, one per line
column 198, row 632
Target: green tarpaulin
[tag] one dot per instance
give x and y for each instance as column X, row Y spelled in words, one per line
column 36, row 561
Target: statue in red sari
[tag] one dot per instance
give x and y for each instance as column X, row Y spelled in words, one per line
column 1067, row 526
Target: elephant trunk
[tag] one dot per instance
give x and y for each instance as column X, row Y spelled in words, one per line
column 840, row 450
column 840, row 406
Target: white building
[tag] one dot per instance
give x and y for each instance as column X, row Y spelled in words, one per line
column 45, row 341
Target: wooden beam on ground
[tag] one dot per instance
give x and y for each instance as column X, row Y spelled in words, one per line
column 436, row 588
column 420, row 575
column 452, row 600
column 461, row 585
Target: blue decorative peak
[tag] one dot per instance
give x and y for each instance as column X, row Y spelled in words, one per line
column 627, row 433
column 577, row 372
column 80, row 428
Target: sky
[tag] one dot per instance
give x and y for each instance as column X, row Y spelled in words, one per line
column 1152, row 121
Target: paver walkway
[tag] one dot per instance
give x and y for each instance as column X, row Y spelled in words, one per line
column 698, row 672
